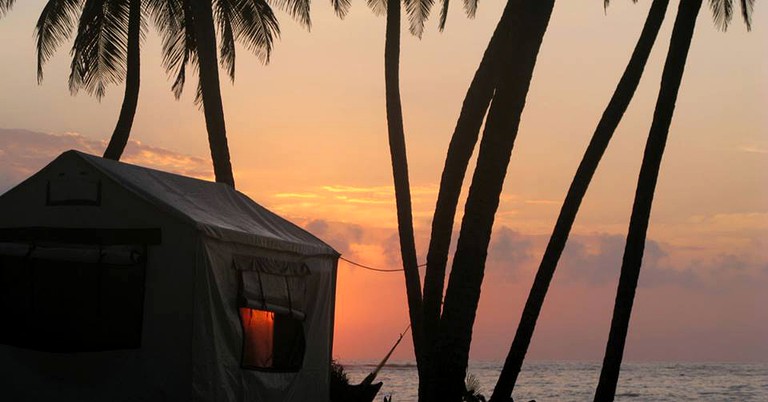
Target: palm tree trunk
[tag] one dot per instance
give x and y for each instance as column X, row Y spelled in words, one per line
column 463, row 292
column 671, row 78
column 612, row 115
column 473, row 110
column 211, row 91
column 460, row 150
column 400, row 173
column 119, row 138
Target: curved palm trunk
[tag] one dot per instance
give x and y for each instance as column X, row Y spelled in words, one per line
column 460, row 149
column 122, row 130
column 612, row 115
column 211, row 91
column 400, row 173
column 463, row 292
column 671, row 78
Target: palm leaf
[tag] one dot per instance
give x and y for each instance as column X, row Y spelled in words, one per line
column 607, row 2
column 746, row 12
column 6, row 5
column 298, row 9
column 223, row 15
column 341, row 7
column 443, row 15
column 722, row 12
column 101, row 46
column 173, row 20
column 55, row 25
column 379, row 7
column 470, row 8
column 256, row 27
column 418, row 13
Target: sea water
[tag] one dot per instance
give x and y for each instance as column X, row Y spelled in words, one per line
column 576, row 381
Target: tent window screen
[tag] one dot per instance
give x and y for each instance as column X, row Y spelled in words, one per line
column 71, row 298
column 272, row 310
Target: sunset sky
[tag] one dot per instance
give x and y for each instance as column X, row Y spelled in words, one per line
column 308, row 140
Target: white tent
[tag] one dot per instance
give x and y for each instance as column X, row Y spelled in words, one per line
column 119, row 282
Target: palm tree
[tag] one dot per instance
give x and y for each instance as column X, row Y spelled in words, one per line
column 189, row 30
column 463, row 291
column 122, row 131
column 396, row 134
column 418, row 11
column 105, row 51
column 498, row 53
column 460, row 149
column 597, row 146
column 672, row 75
column 208, row 73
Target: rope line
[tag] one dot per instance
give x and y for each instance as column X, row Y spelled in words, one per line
column 370, row 268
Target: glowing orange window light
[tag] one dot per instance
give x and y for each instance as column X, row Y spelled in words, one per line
column 258, row 333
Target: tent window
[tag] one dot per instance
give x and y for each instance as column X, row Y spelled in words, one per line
column 272, row 310
column 271, row 341
column 71, row 298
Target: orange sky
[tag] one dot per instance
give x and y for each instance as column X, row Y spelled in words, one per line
column 308, row 139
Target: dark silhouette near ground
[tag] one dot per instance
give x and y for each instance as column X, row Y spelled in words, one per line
column 463, row 291
column 460, row 149
column 397, row 151
column 671, row 79
column 612, row 115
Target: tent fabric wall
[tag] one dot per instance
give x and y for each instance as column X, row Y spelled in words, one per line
column 192, row 338
column 216, row 317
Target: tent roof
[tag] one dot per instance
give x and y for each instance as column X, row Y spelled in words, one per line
column 215, row 209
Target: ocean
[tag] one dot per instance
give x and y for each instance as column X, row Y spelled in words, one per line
column 576, row 381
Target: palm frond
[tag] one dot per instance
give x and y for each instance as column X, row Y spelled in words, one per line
column 223, row 16
column 341, row 7
column 173, row 20
column 607, row 2
column 55, row 25
column 722, row 13
column 470, row 7
column 443, row 15
column 256, row 27
column 298, row 9
column 101, row 46
column 746, row 12
column 6, row 5
column 418, row 13
column 379, row 7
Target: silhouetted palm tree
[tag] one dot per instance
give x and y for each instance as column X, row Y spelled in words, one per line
column 463, row 291
column 105, row 50
column 672, row 75
column 396, row 135
column 460, row 149
column 189, row 30
column 612, row 115
column 122, row 131
column 500, row 51
column 210, row 90
column 418, row 11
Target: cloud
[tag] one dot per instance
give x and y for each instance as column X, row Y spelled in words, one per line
column 340, row 236
column 509, row 251
column 24, row 152
column 596, row 260
column 753, row 150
